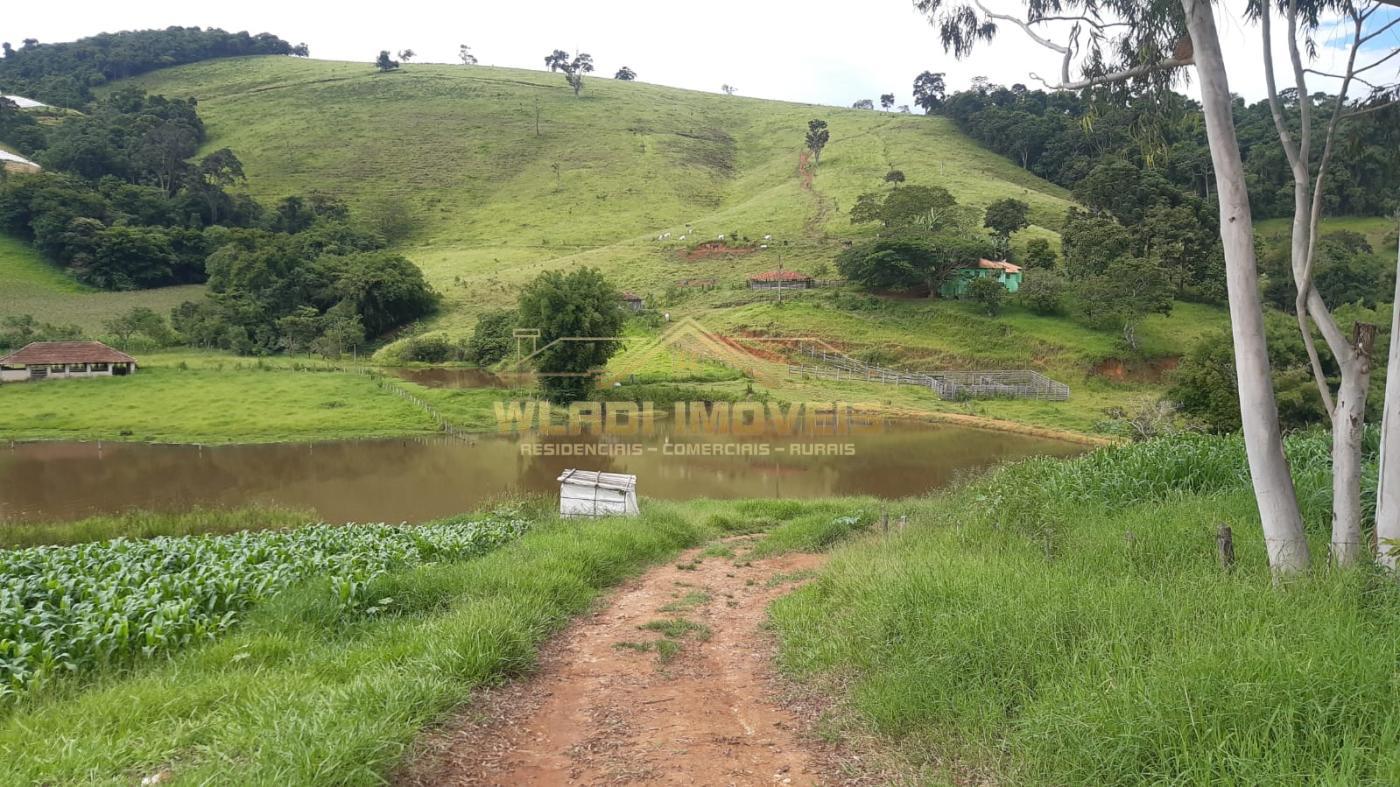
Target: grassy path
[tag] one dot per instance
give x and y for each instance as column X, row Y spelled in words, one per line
column 667, row 684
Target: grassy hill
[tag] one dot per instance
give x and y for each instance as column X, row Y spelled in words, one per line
column 30, row 285
column 605, row 175
column 509, row 174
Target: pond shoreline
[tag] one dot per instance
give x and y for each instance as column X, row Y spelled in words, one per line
column 932, row 417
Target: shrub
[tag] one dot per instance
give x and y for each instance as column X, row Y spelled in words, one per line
column 1043, row 292
column 1039, row 254
column 491, row 338
column 430, row 349
column 988, row 293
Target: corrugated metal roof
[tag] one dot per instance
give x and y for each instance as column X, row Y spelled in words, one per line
column 617, row 481
column 40, row 353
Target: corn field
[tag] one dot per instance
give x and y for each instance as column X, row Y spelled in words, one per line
column 66, row 610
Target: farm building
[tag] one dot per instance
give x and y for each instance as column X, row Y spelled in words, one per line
column 631, row 301
column 787, row 280
column 13, row 162
column 591, row 493
column 64, row 360
column 1009, row 274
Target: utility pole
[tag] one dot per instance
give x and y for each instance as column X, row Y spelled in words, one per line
column 780, row 278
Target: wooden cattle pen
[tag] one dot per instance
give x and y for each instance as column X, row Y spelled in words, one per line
column 949, row 385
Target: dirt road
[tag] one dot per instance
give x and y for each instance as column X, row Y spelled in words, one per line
column 669, row 683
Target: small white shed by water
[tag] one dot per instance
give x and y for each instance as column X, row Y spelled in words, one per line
column 591, row 493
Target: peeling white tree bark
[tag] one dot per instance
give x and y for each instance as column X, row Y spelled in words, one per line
column 1388, row 490
column 1268, row 467
column 1347, row 411
column 1348, row 422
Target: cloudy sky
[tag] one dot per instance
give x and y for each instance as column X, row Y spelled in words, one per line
column 797, row 50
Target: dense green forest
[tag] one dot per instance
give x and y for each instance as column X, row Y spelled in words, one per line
column 64, row 74
column 1143, row 170
column 1067, row 137
column 124, row 203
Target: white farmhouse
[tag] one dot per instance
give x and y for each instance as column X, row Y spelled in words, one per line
column 64, row 360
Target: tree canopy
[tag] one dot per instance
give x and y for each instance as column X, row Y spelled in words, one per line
column 929, row 91
column 911, row 260
column 577, row 305
column 64, row 74
column 817, row 136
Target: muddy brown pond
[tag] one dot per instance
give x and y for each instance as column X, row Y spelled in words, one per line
column 423, row 478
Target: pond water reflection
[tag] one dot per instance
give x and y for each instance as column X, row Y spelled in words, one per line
column 418, row 479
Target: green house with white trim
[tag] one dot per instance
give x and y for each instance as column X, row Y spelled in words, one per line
column 1009, row 274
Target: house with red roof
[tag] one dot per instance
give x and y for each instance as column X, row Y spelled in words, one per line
column 64, row 360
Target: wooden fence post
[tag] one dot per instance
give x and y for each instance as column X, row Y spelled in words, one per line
column 1225, row 547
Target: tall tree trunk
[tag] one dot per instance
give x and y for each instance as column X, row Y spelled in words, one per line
column 1268, row 467
column 1388, row 490
column 1348, row 422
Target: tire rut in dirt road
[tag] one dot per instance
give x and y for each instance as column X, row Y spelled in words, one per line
column 667, row 684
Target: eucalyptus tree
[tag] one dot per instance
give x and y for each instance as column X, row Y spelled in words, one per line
column 1388, row 487
column 1149, row 42
column 1294, row 122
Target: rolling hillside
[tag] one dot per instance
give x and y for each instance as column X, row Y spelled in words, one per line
column 509, row 174
column 606, row 174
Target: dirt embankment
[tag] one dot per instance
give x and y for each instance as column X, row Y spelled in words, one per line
column 715, row 249
column 1153, row 370
column 668, row 684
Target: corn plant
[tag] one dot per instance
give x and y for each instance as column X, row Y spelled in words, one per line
column 72, row 609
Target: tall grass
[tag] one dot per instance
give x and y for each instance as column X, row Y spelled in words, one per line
column 149, row 524
column 1066, row 623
